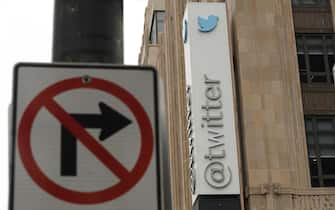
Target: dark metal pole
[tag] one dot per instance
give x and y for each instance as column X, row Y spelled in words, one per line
column 88, row 31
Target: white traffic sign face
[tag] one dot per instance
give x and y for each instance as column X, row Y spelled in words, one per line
column 84, row 138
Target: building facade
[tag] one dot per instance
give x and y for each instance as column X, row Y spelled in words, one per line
column 283, row 54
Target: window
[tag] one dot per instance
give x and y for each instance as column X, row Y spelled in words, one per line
column 310, row 3
column 157, row 26
column 316, row 58
column 320, row 133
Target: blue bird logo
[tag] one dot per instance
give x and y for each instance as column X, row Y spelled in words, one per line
column 209, row 24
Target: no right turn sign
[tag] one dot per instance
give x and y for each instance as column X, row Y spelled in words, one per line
column 85, row 137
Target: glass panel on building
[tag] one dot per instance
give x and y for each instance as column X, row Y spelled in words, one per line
column 157, row 26
column 325, row 125
column 316, row 58
column 315, row 182
column 310, row 3
column 313, row 167
column 328, row 166
column 329, row 182
column 320, row 134
column 310, row 144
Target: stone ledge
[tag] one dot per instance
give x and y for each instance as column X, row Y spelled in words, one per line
column 276, row 189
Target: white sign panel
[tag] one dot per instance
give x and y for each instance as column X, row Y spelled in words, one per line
column 85, row 138
column 211, row 118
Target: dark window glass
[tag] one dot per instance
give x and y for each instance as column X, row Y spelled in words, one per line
column 160, row 21
column 311, row 148
column 153, row 33
column 329, row 182
column 317, row 63
column 320, row 135
column 313, row 166
column 327, row 144
column 315, row 182
column 310, row 3
column 303, row 78
column 331, row 52
column 328, row 166
column 325, row 124
column 309, row 125
column 316, row 58
column 302, row 62
column 157, row 26
column 319, row 79
column 331, row 61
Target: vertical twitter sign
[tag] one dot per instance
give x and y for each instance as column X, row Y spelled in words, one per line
column 211, row 113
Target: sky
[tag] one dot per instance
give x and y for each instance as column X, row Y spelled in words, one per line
column 26, row 35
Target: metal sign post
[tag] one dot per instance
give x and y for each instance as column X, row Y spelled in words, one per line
column 88, row 31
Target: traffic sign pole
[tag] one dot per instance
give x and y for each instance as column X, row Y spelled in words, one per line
column 81, row 35
column 88, row 31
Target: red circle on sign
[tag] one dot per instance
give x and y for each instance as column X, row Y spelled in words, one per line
column 126, row 183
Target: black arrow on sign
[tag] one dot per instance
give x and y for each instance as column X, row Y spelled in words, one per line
column 109, row 121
